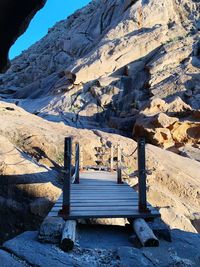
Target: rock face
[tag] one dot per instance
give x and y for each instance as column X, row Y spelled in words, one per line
column 183, row 251
column 114, row 67
column 26, row 189
column 43, row 142
column 122, row 52
column 15, row 18
column 168, row 125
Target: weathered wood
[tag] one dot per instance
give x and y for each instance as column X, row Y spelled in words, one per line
column 108, row 214
column 112, row 203
column 144, row 233
column 102, row 197
column 99, row 201
column 142, row 176
column 111, row 158
column 109, row 194
column 67, row 178
column 77, row 163
column 119, row 170
column 68, row 235
column 81, row 157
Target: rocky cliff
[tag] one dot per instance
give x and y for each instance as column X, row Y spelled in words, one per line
column 123, row 54
column 114, row 70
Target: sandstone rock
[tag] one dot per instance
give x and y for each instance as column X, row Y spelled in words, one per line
column 40, row 206
column 158, row 123
column 169, row 191
column 155, row 106
column 192, row 152
column 168, row 254
column 27, row 247
column 51, row 230
column 105, row 100
column 150, row 40
column 133, row 257
column 163, row 121
column 186, row 132
column 8, row 260
column 41, row 190
column 178, row 106
column 156, row 128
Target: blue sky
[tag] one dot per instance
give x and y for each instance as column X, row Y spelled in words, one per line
column 53, row 11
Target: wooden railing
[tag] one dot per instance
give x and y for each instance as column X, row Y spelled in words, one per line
column 75, row 178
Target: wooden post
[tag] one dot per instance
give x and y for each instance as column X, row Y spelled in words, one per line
column 65, row 211
column 81, row 158
column 144, row 233
column 111, row 158
column 119, row 170
column 68, row 236
column 77, row 176
column 142, row 176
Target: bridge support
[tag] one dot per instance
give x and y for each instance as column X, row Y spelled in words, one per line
column 77, row 154
column 65, row 211
column 119, row 165
column 142, row 176
column 111, row 158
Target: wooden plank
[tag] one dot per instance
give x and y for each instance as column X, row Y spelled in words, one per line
column 103, row 183
column 97, row 189
column 108, row 213
column 103, row 190
column 90, row 216
column 103, row 198
column 102, row 194
column 120, row 193
column 108, row 201
column 96, row 205
column 98, row 182
column 104, row 208
column 94, row 190
column 133, row 212
column 111, row 209
column 123, row 205
column 108, row 192
column 99, row 196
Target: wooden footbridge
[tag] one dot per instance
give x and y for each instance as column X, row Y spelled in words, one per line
column 102, row 194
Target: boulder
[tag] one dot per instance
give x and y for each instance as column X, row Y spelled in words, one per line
column 161, row 120
column 40, row 206
column 51, row 230
column 8, row 260
column 27, row 247
column 168, row 124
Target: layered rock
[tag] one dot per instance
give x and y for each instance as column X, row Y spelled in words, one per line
column 136, row 50
column 103, row 70
column 166, row 168
column 172, row 124
column 183, row 251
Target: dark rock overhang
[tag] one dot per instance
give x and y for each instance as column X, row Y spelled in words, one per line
column 15, row 16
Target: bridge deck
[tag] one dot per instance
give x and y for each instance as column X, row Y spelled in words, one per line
column 99, row 196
